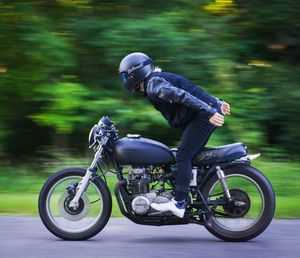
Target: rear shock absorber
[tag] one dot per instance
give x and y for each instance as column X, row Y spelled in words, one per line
column 222, row 179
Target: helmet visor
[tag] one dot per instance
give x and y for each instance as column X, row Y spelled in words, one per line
column 123, row 76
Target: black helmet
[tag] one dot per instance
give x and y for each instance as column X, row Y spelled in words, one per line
column 134, row 68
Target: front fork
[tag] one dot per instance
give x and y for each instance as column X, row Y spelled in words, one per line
column 84, row 183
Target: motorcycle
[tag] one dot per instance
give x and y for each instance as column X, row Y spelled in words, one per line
column 231, row 199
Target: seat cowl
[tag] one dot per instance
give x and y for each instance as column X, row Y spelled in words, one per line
column 220, row 154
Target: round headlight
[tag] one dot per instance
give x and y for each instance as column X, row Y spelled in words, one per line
column 92, row 133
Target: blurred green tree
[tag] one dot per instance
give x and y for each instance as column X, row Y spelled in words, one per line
column 59, row 61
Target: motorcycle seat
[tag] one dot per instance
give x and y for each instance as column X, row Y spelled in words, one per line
column 220, row 154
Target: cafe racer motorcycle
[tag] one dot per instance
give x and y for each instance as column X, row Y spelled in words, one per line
column 231, row 199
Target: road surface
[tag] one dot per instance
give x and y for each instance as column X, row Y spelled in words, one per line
column 27, row 237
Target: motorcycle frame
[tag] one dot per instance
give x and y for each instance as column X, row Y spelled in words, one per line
column 123, row 196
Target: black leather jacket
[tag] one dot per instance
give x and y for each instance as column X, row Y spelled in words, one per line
column 178, row 99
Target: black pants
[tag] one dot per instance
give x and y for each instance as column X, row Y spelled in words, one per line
column 195, row 136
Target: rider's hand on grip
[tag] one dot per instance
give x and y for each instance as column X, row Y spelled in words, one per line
column 225, row 108
column 217, row 120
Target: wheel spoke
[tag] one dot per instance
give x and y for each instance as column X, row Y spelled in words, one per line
column 95, row 201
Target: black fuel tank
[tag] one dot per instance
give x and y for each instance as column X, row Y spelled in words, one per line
column 141, row 151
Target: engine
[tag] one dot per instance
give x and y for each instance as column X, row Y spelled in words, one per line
column 139, row 179
column 138, row 182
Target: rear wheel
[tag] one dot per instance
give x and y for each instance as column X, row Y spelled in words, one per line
column 251, row 208
column 67, row 223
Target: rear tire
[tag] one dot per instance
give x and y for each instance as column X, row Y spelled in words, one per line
column 90, row 232
column 267, row 212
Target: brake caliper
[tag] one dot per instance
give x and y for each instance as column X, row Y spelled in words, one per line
column 71, row 188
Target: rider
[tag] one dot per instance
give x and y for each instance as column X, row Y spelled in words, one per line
column 183, row 105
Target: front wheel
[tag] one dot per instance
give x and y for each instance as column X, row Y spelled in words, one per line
column 88, row 219
column 250, row 210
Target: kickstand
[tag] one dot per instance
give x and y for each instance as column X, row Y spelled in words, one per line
column 207, row 219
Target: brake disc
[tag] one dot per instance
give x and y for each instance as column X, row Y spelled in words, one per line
column 70, row 213
column 239, row 205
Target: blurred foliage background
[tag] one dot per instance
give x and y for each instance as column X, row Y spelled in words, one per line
column 59, row 72
column 59, row 61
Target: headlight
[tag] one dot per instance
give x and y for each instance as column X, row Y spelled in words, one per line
column 92, row 134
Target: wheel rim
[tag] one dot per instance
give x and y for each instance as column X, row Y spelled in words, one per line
column 90, row 209
column 253, row 214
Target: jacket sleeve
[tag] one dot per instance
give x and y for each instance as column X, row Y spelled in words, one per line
column 159, row 90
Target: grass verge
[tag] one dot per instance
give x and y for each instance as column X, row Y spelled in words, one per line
column 19, row 192
column 26, row 205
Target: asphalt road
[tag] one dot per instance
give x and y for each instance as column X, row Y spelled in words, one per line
column 27, row 237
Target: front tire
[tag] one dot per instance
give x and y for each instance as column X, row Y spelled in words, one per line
column 264, row 213
column 59, row 221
